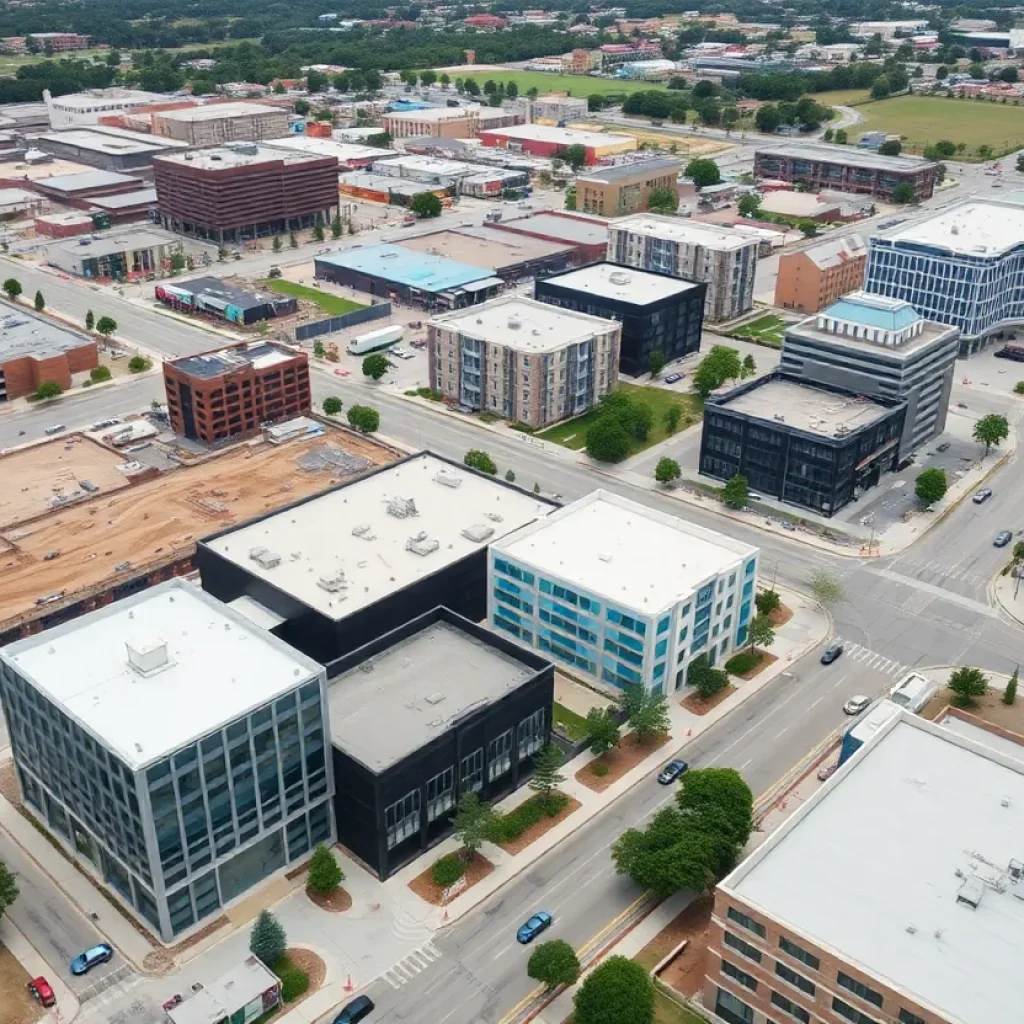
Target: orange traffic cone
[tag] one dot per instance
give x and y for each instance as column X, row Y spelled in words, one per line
column 348, row 984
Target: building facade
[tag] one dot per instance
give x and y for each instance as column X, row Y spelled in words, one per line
column 880, row 348
column 557, row 107
column 621, row 593
column 616, row 191
column 235, row 391
column 548, row 141
column 34, row 349
column 819, row 274
column 174, row 751
column 658, row 312
column 523, row 360
column 437, row 122
column 88, row 107
column 719, row 256
column 215, row 124
column 847, row 169
column 814, row 446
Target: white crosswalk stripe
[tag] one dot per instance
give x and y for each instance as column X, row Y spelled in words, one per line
column 409, row 966
column 873, row 660
column 935, row 571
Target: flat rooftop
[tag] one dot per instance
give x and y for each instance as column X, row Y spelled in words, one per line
column 258, row 354
column 425, row 271
column 107, row 97
column 218, row 111
column 212, row 665
column 218, row 289
column 479, row 247
column 625, row 552
column 575, row 230
column 524, row 324
column 111, row 141
column 565, row 136
column 221, row 999
column 113, row 242
column 86, row 180
column 689, row 232
column 931, row 332
column 807, row 408
column 432, row 113
column 851, row 156
column 624, row 284
column 343, row 152
column 236, row 154
column 970, row 229
column 872, row 865
column 23, row 334
column 19, row 197
column 125, row 200
column 379, row 534
column 986, row 737
column 429, row 164
column 397, row 701
column 626, row 172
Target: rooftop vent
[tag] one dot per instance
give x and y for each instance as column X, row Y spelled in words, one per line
column 604, row 556
column 402, row 508
column 265, row 558
column 478, row 533
column 448, row 479
column 147, row 655
column 514, row 323
column 333, row 583
column 434, row 698
column 971, row 892
column 619, row 277
column 364, row 531
column 421, row 544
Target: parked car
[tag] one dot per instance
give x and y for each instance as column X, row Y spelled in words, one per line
column 92, row 957
column 944, row 447
column 980, row 497
column 672, row 771
column 1003, row 537
column 826, row 771
column 673, row 378
column 831, row 652
column 855, row 705
column 55, row 429
column 540, row 922
column 359, row 1009
column 40, row 990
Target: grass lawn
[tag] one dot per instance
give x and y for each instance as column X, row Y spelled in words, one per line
column 768, row 329
column 925, row 119
column 573, row 433
column 666, row 1011
column 335, row 305
column 843, row 97
column 575, row 725
column 544, row 82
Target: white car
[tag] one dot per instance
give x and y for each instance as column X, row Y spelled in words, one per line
column 403, row 353
column 855, row 705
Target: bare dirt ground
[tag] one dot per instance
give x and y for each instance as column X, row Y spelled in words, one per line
column 619, row 760
column 16, row 1005
column 686, row 973
column 157, row 521
column 30, row 477
column 427, row 889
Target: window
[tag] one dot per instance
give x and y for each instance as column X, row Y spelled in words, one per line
column 746, row 922
column 440, row 793
column 869, row 995
column 531, row 734
column 472, row 778
column 741, row 947
column 850, row 1012
column 787, row 1006
column 793, row 978
column 906, row 1017
column 402, row 818
column 732, row 971
column 499, row 755
column 799, row 954
column 732, row 1009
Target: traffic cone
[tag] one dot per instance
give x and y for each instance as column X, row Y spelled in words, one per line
column 348, row 984
column 445, row 916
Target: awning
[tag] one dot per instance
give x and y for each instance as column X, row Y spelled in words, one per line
column 479, row 286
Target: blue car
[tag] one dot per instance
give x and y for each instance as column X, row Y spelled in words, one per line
column 672, row 378
column 538, row 923
column 85, row 962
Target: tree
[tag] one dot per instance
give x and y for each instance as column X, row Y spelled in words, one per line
column 1009, row 695
column 425, row 205
column 749, row 205
column 90, row 320
column 324, row 873
column 903, row 193
column 703, row 171
column 510, row 476
column 941, row 72
column 667, row 470
column 666, row 856
column 575, row 156
column 930, row 485
column 748, row 368
column 736, row 492
column 554, row 963
column 39, row 302
column 473, row 822
column 663, row 200
column 825, row 588
column 332, row 405
column 302, row 107
column 48, row 389
column 471, row 87
column 106, row 325
column 267, row 939
column 707, row 681
column 363, row 418
column 673, row 414
column 976, row 70
column 966, row 684
column 616, row 992
column 719, row 365
column 761, row 632
column 991, row 430
column 656, row 362
column 546, row 777
column 841, row 137
column 880, row 88
column 428, row 77
column 717, row 802
column 1020, row 165
column 375, row 365
column 98, row 374
column 607, row 440
column 138, row 364
column 293, row 242
column 767, row 119
column 445, row 80
column 12, row 286
column 602, row 730
column 276, row 243
column 648, row 715
column 480, row 461
column 336, row 226
column 318, row 233
column 767, row 601
column 891, row 147
column 1009, row 74
column 8, row 888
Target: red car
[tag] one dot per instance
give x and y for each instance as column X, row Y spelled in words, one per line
column 40, row 989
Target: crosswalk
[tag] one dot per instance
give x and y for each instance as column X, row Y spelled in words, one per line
column 937, row 572
column 409, row 966
column 873, row 660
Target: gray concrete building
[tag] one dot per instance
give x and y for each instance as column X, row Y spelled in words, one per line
column 881, row 348
column 214, row 124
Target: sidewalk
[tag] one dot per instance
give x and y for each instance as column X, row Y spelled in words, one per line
column 24, row 952
column 1003, row 589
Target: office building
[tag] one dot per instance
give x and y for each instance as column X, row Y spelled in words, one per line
column 524, row 360
column 105, row 148
column 244, row 190
column 846, row 168
column 558, row 107
column 34, row 349
column 351, row 156
column 548, row 141
column 363, row 558
column 439, row 122
column 214, row 124
column 435, row 709
column 622, row 593
column 963, row 266
column 115, row 255
column 214, row 298
column 880, row 348
column 658, row 312
column 82, row 108
column 173, row 750
column 912, row 916
column 818, row 274
column 721, row 257
column 616, row 191
column 235, row 391
column 815, row 446
column 612, row 55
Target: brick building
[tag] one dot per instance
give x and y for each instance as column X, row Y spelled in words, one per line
column 218, row 123
column 33, row 350
column 245, row 190
column 548, row 141
column 817, row 275
column 438, row 122
column 616, row 191
column 234, row 391
column 588, row 236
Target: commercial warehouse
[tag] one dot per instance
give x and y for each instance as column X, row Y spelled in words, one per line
column 108, row 149
column 222, row 301
column 34, row 349
column 547, row 141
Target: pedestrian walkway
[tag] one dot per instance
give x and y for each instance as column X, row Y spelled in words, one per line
column 872, row 659
column 415, row 963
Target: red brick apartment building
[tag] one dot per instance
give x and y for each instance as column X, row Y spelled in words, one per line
column 234, row 391
column 244, row 190
column 33, row 350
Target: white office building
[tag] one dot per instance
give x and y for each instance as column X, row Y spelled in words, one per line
column 621, row 593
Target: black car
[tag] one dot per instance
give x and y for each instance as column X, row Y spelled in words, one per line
column 980, row 497
column 944, row 447
column 831, row 652
column 359, row 1009
column 1003, row 537
column 672, row 771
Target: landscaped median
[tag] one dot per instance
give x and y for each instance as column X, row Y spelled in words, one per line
column 765, row 330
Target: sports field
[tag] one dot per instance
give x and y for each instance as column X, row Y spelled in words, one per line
column 544, row 82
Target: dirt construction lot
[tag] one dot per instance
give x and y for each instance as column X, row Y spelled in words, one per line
column 157, row 521
column 32, row 476
column 16, row 1005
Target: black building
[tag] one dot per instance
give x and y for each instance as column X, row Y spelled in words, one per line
column 813, row 446
column 437, row 708
column 657, row 311
column 340, row 568
column 212, row 297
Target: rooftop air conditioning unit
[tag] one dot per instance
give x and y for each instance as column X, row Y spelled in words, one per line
column 478, row 533
column 619, row 277
column 402, row 508
column 148, row 655
column 448, row 478
column 333, row 583
column 422, row 545
column 267, row 559
column 364, row 531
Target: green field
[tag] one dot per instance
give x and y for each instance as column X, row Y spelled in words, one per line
column 767, row 329
column 334, row 305
column 544, row 82
column 843, row 97
column 575, row 725
column 922, row 120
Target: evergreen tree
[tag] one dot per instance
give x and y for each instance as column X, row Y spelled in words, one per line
column 546, row 776
column 267, row 939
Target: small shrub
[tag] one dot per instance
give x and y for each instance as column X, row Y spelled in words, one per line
column 599, row 768
column 509, row 827
column 447, row 870
column 523, row 428
column 294, row 982
column 429, row 394
column 742, row 662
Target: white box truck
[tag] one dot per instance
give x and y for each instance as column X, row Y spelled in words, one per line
column 383, row 337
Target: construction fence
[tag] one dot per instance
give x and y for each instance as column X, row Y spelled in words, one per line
column 303, row 332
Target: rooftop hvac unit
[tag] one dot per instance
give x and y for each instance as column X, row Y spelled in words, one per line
column 334, row 583
column 421, row 544
column 448, row 478
column 265, row 558
column 364, row 531
column 619, row 277
column 147, row 655
column 402, row 508
column 478, row 533
column 971, row 892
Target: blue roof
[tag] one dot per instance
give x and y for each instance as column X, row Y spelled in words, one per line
column 401, row 106
column 874, row 311
column 404, row 266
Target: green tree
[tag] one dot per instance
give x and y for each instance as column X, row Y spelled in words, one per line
column 607, row 440
column 808, row 228
column 137, row 364
column 656, row 362
column 471, row 87
column 12, row 286
column 880, row 88
column 767, row 601
column 1010, row 693
column 8, row 888
column 364, row 418
column 375, row 365
column 445, row 80
column 293, row 242
column 667, row 470
column 976, row 70
column 703, row 171
column 510, row 476
column 554, row 963
column 1018, row 388
column 106, row 325
column 717, row 802
column 903, row 193
column 325, row 875
column 749, row 205
column 473, row 822
column 991, row 430
column 966, row 684
column 570, row 197
column 891, row 147
column 332, row 405
column 666, row 856
column 302, row 107
column 425, row 205
column 336, row 226
column 480, row 461
column 647, row 713
column 619, row 991
column 735, row 492
column 575, row 156
column 761, row 632
column 602, row 730
column 768, row 119
column 841, row 137
column 707, row 681
column 39, row 302
column 267, row 940
column 546, row 777
column 90, row 320
column 673, row 414
column 318, row 349
column 930, row 485
column 428, row 77
column 99, row 374
column 663, row 200
column 318, row 233
column 722, row 363
column 748, row 368
column 48, row 389
column 825, row 588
